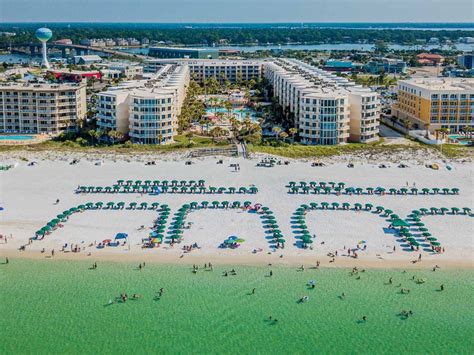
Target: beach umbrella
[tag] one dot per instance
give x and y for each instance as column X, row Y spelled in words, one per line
column 394, row 216
column 346, row 205
column 415, row 243
column 466, row 210
column 404, row 190
column 313, row 205
column 215, row 204
column 444, row 210
column 106, row 241
column 435, row 243
column 424, row 210
column 423, row 229
column 174, row 182
column 324, row 204
column 121, row 236
column 455, row 210
column 400, row 223
column 204, row 204
column 379, row 208
column 414, row 191
column 291, row 183
column 253, row 190
column 236, row 204
column 426, row 234
column 281, row 240
column 425, row 190
column 242, row 190
column 435, row 190
column 388, row 212
column 357, row 206
column 201, row 182
column 455, row 190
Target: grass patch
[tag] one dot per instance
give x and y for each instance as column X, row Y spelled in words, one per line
column 181, row 143
column 456, row 151
column 303, row 151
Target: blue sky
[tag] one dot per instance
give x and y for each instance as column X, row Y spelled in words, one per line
column 237, row 10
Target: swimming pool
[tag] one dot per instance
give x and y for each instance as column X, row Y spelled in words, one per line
column 238, row 113
column 464, row 140
column 15, row 138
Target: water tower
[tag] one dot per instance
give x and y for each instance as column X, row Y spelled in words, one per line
column 43, row 35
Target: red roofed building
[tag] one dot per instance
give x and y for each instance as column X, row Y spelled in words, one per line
column 75, row 75
column 429, row 59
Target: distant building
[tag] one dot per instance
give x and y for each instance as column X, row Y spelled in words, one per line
column 87, row 59
column 466, row 61
column 466, row 39
column 65, row 41
column 127, row 70
column 338, row 66
column 75, row 75
column 386, row 65
column 436, row 103
column 221, row 69
column 110, row 74
column 191, row 53
column 429, row 59
column 41, row 108
column 145, row 41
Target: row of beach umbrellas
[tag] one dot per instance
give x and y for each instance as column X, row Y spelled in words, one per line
column 166, row 189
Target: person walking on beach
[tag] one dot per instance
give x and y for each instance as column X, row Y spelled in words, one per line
column 6, row 260
column 52, row 252
column 271, row 273
column 253, row 291
column 419, row 257
column 441, row 287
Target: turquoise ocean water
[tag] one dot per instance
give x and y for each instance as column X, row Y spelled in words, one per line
column 62, row 307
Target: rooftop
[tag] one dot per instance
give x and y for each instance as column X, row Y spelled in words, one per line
column 448, row 84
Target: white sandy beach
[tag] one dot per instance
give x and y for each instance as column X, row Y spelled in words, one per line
column 28, row 195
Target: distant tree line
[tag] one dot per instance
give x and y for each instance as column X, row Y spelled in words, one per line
column 209, row 36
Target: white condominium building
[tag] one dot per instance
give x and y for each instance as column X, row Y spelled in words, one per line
column 145, row 110
column 325, row 108
column 41, row 108
column 221, row 69
column 127, row 70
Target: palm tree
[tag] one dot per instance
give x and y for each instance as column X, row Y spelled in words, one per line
column 189, row 136
column 277, row 131
column 293, row 132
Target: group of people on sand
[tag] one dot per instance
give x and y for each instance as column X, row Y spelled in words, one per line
column 190, row 248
